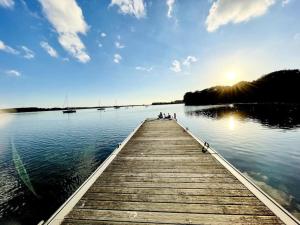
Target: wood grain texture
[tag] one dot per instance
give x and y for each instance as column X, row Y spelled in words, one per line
column 161, row 176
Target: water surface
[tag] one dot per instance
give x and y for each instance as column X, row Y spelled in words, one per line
column 45, row 156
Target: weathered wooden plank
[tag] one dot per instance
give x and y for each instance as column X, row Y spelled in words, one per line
column 235, row 186
column 175, row 207
column 151, row 163
column 173, row 218
column 169, row 180
column 122, row 174
column 164, row 165
column 165, row 158
column 172, row 191
column 165, row 170
column 222, row 200
column 69, row 221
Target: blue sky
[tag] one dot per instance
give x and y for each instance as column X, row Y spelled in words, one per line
column 135, row 51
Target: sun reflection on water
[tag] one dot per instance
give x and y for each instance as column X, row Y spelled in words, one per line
column 231, row 122
column 5, row 118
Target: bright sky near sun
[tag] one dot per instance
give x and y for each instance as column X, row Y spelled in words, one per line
column 139, row 51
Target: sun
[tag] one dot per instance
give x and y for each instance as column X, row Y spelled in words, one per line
column 231, row 77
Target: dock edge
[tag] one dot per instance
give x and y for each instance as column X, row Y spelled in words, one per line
column 275, row 207
column 58, row 217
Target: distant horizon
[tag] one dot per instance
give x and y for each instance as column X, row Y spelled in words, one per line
column 138, row 52
column 134, row 104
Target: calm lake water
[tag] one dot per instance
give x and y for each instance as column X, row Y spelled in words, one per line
column 45, row 156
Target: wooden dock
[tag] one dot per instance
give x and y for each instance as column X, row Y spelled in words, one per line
column 161, row 176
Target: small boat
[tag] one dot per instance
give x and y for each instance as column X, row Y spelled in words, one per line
column 69, row 111
column 100, row 107
column 116, row 105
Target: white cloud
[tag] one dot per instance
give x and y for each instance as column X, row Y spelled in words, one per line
column 170, row 4
column 100, row 45
column 117, row 58
column 132, row 7
column 144, row 68
column 51, row 51
column 67, row 19
column 223, row 12
column 119, row 45
column 13, row 73
column 189, row 60
column 8, row 49
column 7, row 3
column 285, row 2
column 176, row 66
column 103, row 34
column 29, row 54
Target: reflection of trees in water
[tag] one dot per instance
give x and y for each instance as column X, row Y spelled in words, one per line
column 284, row 116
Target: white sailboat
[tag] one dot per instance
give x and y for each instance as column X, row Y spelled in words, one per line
column 100, row 108
column 68, row 109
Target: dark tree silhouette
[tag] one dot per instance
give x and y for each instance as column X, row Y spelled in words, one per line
column 280, row 86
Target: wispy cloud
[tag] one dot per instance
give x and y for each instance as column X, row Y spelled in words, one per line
column 119, row 45
column 103, row 34
column 48, row 48
column 146, row 69
column 131, row 7
column 67, row 19
column 117, row 58
column 189, row 60
column 28, row 53
column 176, row 66
column 285, row 2
column 14, row 73
column 8, row 49
column 7, row 4
column 223, row 12
column 170, row 4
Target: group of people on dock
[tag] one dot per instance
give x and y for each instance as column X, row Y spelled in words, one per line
column 166, row 116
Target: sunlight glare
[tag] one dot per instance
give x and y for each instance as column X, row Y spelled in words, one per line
column 231, row 76
column 231, row 123
column 4, row 119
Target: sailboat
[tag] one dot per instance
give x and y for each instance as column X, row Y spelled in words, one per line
column 100, row 108
column 116, row 106
column 68, row 109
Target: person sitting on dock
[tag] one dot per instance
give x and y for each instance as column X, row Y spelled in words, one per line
column 168, row 116
column 160, row 115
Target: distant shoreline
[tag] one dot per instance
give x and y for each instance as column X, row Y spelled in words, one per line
column 38, row 109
